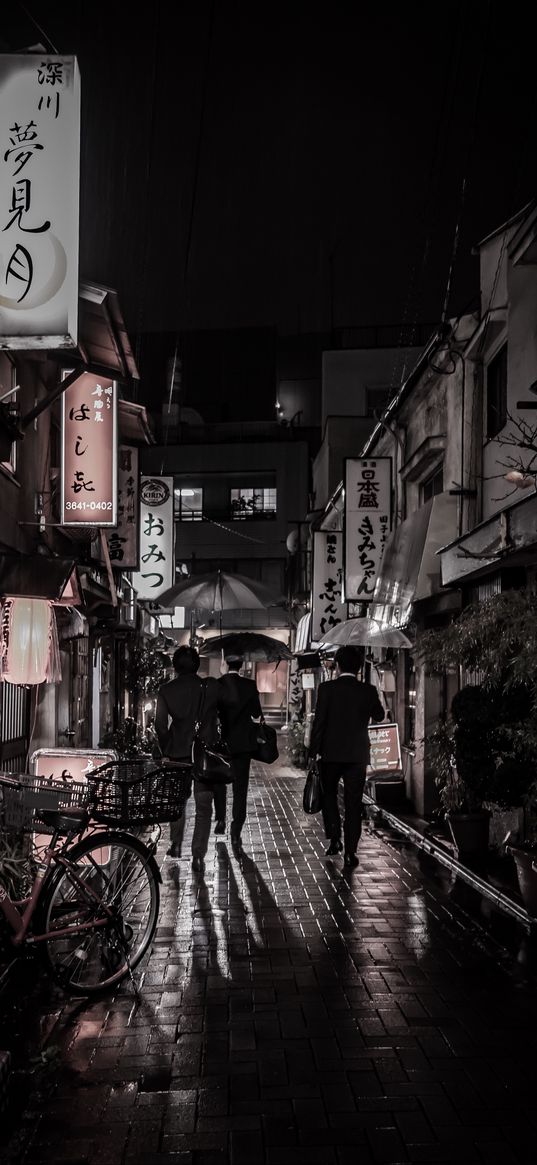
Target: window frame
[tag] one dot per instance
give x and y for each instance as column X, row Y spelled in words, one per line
column 499, row 407
column 179, row 515
column 429, row 481
column 255, row 513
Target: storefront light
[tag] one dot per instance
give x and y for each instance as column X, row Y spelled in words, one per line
column 29, row 651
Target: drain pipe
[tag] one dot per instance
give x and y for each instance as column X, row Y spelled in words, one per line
column 501, row 900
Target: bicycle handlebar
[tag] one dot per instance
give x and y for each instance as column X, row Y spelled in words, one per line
column 10, row 782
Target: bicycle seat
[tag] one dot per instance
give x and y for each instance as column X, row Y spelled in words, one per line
column 63, row 820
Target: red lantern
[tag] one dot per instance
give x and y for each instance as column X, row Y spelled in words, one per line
column 29, row 650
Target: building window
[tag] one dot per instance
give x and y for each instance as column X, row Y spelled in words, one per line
column 432, row 485
column 376, row 400
column 497, row 393
column 253, row 503
column 8, row 379
column 410, row 701
column 188, row 504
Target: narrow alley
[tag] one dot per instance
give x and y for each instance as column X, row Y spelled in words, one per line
column 290, row 1013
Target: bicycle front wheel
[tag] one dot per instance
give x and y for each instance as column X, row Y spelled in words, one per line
column 100, row 916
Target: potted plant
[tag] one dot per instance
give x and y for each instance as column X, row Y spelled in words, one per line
column 486, row 751
column 463, row 759
column 296, row 742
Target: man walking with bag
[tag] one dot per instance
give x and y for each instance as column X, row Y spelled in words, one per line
column 343, row 711
column 239, row 705
column 180, row 703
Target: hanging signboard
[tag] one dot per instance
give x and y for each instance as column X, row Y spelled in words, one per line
column 63, row 766
column 39, row 200
column 385, row 749
column 89, row 452
column 123, row 541
column 157, row 554
column 368, row 508
column 328, row 608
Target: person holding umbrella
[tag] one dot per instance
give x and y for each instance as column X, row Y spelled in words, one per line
column 239, row 706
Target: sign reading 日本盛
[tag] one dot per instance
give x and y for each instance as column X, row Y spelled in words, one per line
column 39, row 200
column 368, row 519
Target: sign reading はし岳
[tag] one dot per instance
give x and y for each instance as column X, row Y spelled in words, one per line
column 89, row 452
column 368, row 510
column 39, row 200
column 157, row 554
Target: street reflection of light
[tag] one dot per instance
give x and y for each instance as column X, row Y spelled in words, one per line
column 418, row 926
column 222, row 946
column 251, row 916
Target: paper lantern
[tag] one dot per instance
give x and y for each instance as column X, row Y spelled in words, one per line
column 29, row 651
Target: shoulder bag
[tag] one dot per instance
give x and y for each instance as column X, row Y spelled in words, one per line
column 266, row 743
column 312, row 798
column 211, row 763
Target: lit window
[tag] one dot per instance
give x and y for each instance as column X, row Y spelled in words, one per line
column 432, row 485
column 188, row 504
column 253, row 503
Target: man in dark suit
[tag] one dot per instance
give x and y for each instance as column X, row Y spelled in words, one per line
column 239, row 705
column 179, row 703
column 343, row 711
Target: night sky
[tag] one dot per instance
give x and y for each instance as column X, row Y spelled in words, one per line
column 293, row 165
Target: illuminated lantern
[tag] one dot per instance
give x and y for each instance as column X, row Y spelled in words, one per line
column 29, row 650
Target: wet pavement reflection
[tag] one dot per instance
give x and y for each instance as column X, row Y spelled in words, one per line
column 290, row 1012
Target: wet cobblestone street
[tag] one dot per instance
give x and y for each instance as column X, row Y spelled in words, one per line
column 290, row 1013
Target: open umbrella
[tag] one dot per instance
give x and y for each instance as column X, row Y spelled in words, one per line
column 247, row 644
column 220, row 591
column 365, row 633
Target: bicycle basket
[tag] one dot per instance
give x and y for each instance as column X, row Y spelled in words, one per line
column 19, row 809
column 122, row 795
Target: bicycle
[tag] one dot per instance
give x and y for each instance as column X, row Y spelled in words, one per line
column 94, row 902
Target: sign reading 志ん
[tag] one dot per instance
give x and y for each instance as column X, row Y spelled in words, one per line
column 89, row 452
column 39, row 196
column 123, row 541
column 368, row 508
column 327, row 605
column 157, row 556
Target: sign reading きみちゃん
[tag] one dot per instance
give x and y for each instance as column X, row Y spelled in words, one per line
column 368, row 510
column 39, row 200
column 157, row 557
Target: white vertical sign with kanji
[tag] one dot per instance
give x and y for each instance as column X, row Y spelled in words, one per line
column 157, row 553
column 39, row 196
column 327, row 606
column 368, row 520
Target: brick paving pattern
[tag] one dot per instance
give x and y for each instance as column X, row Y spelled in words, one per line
column 292, row 1014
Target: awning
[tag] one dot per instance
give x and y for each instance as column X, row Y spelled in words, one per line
column 38, row 576
column 302, row 640
column 410, row 569
column 134, row 425
column 364, row 633
column 507, row 539
column 104, row 341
